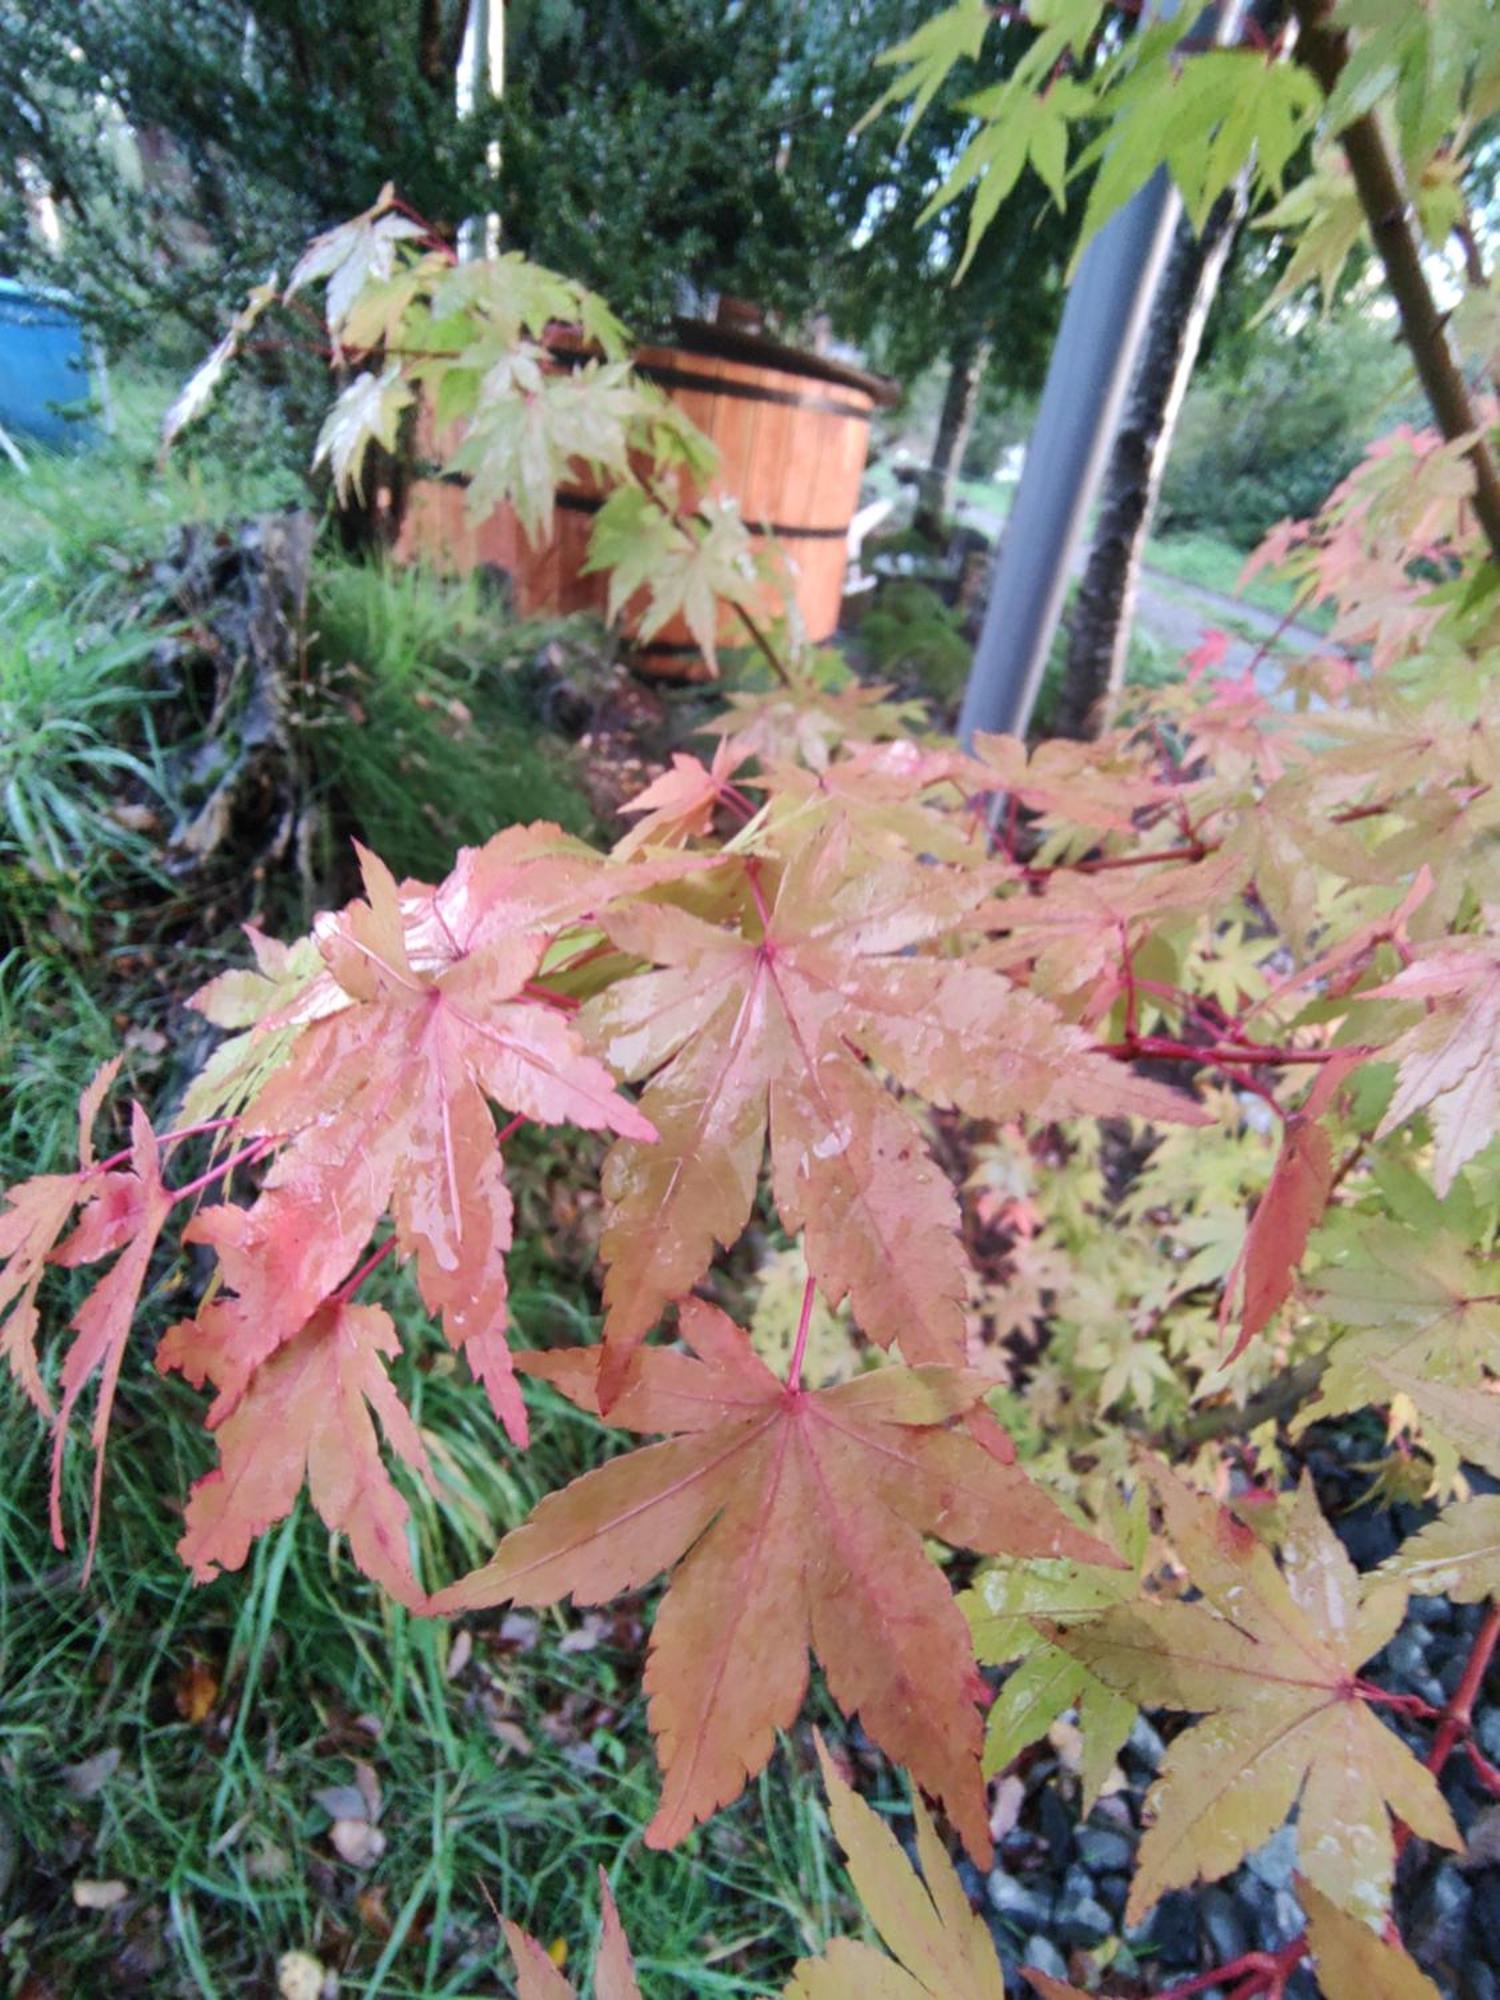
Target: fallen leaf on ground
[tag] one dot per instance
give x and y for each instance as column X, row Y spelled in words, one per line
column 88, row 1779
column 195, row 1691
column 357, row 1842
column 98, row 1895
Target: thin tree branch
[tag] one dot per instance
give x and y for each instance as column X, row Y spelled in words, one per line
column 1323, row 50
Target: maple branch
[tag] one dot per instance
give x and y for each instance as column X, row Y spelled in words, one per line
column 1255, row 1962
column 799, row 1347
column 247, row 1155
column 167, row 1139
column 1322, row 48
column 1247, row 1055
column 1458, row 1713
column 1278, row 1399
column 773, row 658
column 510, row 1130
column 1100, row 864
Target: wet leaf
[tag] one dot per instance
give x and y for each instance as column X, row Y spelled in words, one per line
column 1355, row 1962
column 793, row 1522
column 940, row 1950
column 1457, row 1555
column 1270, row 1659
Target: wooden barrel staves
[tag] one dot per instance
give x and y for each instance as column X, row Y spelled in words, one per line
column 792, row 434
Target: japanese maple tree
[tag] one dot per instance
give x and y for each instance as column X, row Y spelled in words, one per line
column 1252, row 928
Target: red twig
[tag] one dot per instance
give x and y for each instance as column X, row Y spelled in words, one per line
column 509, row 1131
column 1458, row 1714
column 371, row 1263
column 752, row 875
column 256, row 1150
column 799, row 1349
column 166, row 1139
column 1221, row 1054
column 535, row 990
column 1100, row 864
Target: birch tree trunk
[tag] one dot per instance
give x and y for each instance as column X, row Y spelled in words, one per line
column 966, row 365
column 1099, row 634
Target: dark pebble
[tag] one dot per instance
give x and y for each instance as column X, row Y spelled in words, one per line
column 1404, row 1658
column 1083, row 1921
column 1045, row 1956
column 1430, row 1611
column 1484, row 1927
column 1112, row 1891
column 1144, row 1747
column 1170, row 1933
column 1058, row 1828
column 1368, row 1536
column 1224, row 1926
column 1105, row 1850
column 1450, row 1671
column 1014, row 1900
column 1439, row 1916
column 1276, row 1863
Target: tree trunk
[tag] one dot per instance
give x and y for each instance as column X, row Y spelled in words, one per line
column 1099, row 634
column 966, row 365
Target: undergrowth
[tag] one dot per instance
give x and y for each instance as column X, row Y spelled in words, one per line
column 429, row 737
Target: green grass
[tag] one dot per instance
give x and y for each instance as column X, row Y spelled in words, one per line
column 1211, row 564
column 428, row 737
column 70, row 702
column 74, row 517
column 509, row 1781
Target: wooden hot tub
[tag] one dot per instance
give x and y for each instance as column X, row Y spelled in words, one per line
column 792, row 432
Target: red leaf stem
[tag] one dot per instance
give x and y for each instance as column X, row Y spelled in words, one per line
column 535, row 990
column 247, row 1155
column 799, row 1349
column 168, row 1139
column 376, row 1258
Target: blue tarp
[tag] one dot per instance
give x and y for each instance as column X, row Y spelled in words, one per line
column 44, row 373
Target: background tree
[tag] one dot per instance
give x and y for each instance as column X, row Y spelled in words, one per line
column 186, row 142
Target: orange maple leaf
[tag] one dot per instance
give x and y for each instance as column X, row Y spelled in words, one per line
column 35, row 1216
column 748, row 1028
column 126, row 1209
column 797, row 1519
column 384, row 1104
column 305, row 1414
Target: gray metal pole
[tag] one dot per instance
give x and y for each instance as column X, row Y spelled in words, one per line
column 1103, row 323
column 1098, row 344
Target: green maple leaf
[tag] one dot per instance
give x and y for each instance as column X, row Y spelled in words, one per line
column 926, row 58
column 1418, row 1304
column 368, row 412
column 1003, row 1609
